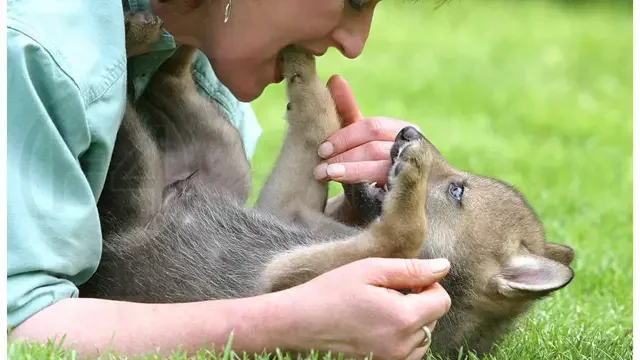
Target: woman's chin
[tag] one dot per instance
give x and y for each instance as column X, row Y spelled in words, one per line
column 248, row 95
column 247, row 92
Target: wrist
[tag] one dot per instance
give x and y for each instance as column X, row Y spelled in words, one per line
column 271, row 321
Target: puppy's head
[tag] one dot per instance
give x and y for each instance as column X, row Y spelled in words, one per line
column 491, row 235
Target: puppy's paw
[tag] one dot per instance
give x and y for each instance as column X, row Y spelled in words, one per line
column 142, row 28
column 411, row 158
column 410, row 167
column 296, row 64
column 142, row 18
column 311, row 112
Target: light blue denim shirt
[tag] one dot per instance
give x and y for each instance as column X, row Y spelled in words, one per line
column 66, row 96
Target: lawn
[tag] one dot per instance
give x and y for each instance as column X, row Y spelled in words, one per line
column 537, row 93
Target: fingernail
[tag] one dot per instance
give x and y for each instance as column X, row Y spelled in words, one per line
column 325, row 150
column 320, row 172
column 336, row 170
column 439, row 265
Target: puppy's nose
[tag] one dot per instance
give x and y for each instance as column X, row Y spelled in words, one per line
column 409, row 133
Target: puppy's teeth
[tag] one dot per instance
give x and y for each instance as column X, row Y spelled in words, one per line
column 386, row 188
column 373, row 184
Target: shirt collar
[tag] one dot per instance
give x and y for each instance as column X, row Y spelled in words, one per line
column 137, row 5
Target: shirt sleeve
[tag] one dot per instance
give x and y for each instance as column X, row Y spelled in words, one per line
column 53, row 229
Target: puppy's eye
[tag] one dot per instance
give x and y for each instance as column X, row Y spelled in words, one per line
column 288, row 106
column 456, row 191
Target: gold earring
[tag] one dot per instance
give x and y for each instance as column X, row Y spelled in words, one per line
column 227, row 11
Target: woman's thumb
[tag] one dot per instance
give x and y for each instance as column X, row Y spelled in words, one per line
column 407, row 273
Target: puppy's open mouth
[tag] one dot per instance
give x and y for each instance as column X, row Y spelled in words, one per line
column 368, row 198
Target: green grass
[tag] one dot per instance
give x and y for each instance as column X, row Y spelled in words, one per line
column 536, row 93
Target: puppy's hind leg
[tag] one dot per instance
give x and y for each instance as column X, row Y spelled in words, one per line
column 399, row 233
column 142, row 28
column 132, row 192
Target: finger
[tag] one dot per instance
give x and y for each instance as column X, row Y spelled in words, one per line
column 418, row 353
column 418, row 338
column 346, row 104
column 371, row 151
column 396, row 273
column 354, row 172
column 361, row 132
column 432, row 325
column 431, row 304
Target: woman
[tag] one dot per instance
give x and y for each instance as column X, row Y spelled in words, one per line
column 66, row 92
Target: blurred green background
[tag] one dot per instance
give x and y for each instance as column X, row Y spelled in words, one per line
column 537, row 93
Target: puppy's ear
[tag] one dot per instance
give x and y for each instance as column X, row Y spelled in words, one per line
column 560, row 253
column 531, row 276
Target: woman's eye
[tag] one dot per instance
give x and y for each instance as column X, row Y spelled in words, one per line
column 456, row 191
column 356, row 4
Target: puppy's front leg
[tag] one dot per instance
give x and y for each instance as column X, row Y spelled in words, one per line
column 291, row 191
column 399, row 233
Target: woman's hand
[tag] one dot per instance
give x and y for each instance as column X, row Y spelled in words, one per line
column 360, row 150
column 353, row 309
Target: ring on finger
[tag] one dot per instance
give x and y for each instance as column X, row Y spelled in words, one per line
column 427, row 337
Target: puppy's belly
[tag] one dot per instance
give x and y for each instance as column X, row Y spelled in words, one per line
column 211, row 168
column 178, row 166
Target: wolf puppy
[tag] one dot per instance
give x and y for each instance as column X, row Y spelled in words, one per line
column 176, row 228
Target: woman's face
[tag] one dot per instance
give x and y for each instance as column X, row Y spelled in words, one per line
column 244, row 50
